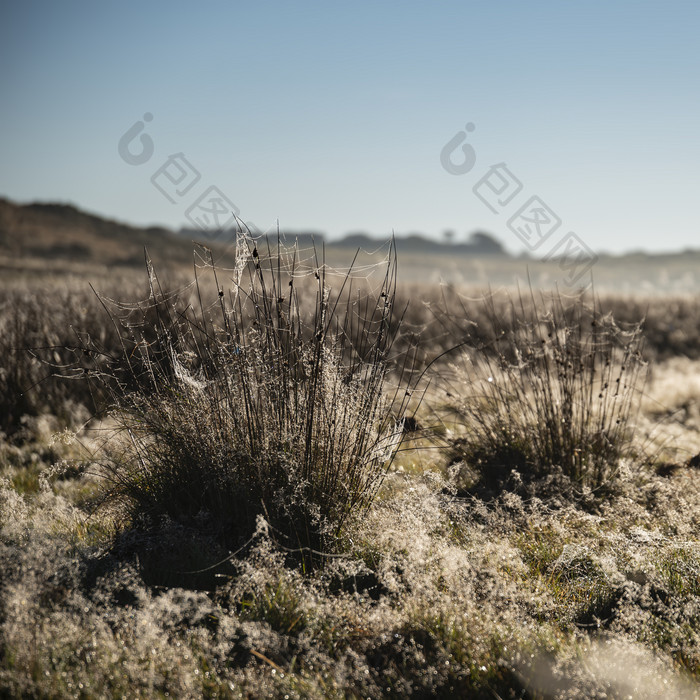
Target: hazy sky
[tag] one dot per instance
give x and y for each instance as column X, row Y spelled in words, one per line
column 333, row 117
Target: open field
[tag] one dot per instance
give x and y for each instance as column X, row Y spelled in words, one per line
column 271, row 484
column 630, row 274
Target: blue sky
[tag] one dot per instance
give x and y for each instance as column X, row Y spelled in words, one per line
column 332, row 116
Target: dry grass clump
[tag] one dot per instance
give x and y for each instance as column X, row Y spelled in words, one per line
column 267, row 402
column 554, row 390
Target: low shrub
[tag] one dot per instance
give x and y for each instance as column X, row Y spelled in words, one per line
column 555, row 389
column 267, row 402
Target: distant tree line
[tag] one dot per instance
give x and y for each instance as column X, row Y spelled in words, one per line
column 478, row 243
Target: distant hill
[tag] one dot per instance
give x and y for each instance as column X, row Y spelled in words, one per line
column 64, row 232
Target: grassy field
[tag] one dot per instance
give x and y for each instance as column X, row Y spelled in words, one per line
column 286, row 480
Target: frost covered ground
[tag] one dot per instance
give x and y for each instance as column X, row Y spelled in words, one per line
column 449, row 586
